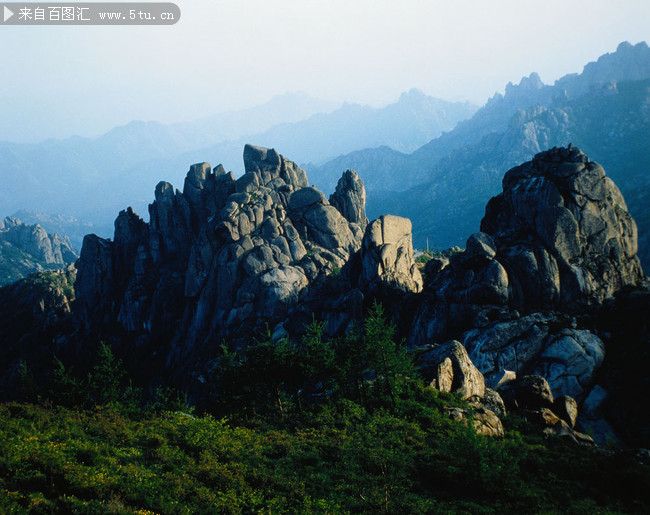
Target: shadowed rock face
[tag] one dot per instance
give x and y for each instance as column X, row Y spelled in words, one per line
column 558, row 237
column 541, row 344
column 222, row 257
column 226, row 258
column 350, row 199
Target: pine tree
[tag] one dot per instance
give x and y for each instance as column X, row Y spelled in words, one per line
column 106, row 377
column 383, row 355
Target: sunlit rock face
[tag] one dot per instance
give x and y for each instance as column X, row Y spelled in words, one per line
column 563, row 232
column 557, row 242
column 222, row 257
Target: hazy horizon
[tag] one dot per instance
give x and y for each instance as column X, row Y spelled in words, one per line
column 234, row 54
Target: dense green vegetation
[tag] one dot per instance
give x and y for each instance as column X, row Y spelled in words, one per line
column 316, row 426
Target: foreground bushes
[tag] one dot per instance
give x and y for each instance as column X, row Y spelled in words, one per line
column 312, row 427
column 341, row 459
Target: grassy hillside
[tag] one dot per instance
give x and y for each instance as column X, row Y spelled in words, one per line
column 324, row 427
column 341, row 459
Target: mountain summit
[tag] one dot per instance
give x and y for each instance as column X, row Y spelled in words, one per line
column 223, row 256
column 227, row 261
column 29, row 248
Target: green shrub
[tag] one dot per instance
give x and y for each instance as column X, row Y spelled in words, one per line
column 311, row 426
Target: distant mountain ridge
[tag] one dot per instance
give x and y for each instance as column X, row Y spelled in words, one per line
column 403, row 126
column 465, row 176
column 284, row 108
column 70, row 226
column 29, row 248
column 57, row 174
column 91, row 178
column 603, row 110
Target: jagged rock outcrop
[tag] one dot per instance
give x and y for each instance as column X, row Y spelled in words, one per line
column 95, row 278
column 222, row 257
column 484, row 421
column 318, row 221
column 540, row 344
column 567, row 409
column 553, row 426
column 557, row 241
column 25, row 249
column 448, row 368
column 563, row 232
column 51, row 249
column 532, row 398
column 225, row 257
column 493, row 401
column 350, row 199
column 467, row 289
column 533, row 392
column 387, row 256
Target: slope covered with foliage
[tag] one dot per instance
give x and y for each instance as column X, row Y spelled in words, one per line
column 320, row 426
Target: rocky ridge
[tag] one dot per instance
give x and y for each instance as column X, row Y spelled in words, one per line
column 555, row 245
column 561, row 221
column 29, row 248
column 227, row 256
column 232, row 259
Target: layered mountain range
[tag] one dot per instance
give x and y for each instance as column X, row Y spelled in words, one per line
column 447, row 180
column 444, row 185
column 91, row 178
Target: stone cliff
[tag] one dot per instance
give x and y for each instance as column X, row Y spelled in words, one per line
column 564, row 232
column 33, row 239
column 29, row 248
column 556, row 244
column 226, row 256
column 228, row 260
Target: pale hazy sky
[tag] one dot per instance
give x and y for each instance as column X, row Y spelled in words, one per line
column 230, row 54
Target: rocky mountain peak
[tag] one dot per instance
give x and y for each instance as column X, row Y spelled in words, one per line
column 36, row 248
column 558, row 237
column 224, row 255
column 628, row 62
column 499, row 109
column 270, row 169
column 387, row 256
column 350, row 199
column 556, row 244
column 413, row 96
column 531, row 83
column 563, row 232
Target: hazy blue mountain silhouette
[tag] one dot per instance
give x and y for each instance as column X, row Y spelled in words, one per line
column 90, row 178
column 444, row 185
